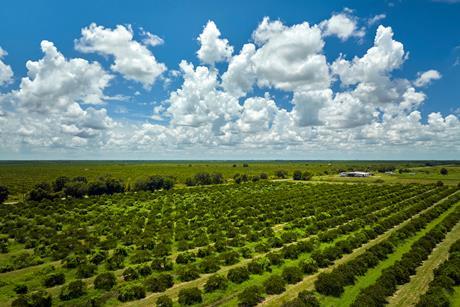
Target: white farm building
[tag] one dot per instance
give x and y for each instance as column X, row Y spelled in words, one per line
column 355, row 174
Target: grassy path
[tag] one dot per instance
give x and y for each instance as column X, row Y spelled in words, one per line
column 408, row 294
column 308, row 282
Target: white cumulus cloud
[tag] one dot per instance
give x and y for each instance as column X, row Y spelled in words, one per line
column 213, row 49
column 426, row 77
column 198, row 101
column 341, row 25
column 6, row 73
column 385, row 56
column 132, row 59
column 291, row 57
column 240, row 75
column 53, row 83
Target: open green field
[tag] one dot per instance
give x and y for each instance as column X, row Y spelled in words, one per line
column 206, row 245
column 21, row 176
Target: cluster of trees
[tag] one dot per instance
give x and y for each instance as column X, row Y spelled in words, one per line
column 446, row 277
column 79, row 187
column 281, row 174
column 130, row 292
column 204, row 178
column 240, row 178
column 190, row 296
column 217, row 178
column 299, row 175
column 386, row 168
column 37, row 298
column 154, row 183
column 22, row 260
column 401, row 271
column 73, row 289
column 3, row 193
column 76, row 187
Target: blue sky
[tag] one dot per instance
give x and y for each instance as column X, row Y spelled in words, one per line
column 429, row 32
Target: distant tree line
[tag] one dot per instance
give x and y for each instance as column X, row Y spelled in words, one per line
column 79, row 187
column 240, row 178
column 386, row 168
column 204, row 178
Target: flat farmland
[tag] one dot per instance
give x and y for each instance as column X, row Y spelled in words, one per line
column 21, row 176
column 267, row 243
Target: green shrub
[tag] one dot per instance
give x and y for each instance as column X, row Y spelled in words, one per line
column 164, row 301
column 256, row 267
column 292, row 274
column 130, row 293
column 308, row 298
column 297, row 175
column 209, row 265
column 251, row 296
column 188, row 273
column 86, row 270
column 159, row 283
column 144, row 270
column 54, row 279
column 238, row 275
column 98, row 257
column 309, row 266
column 72, row 290
column 105, row 281
column 275, row 284
column 161, row 264
column 21, row 289
column 190, row 296
column 38, row 298
column 297, row 302
column 215, row 282
column 275, row 258
column 115, row 262
column 73, row 261
column 328, row 284
column 130, row 274
column 230, row 257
